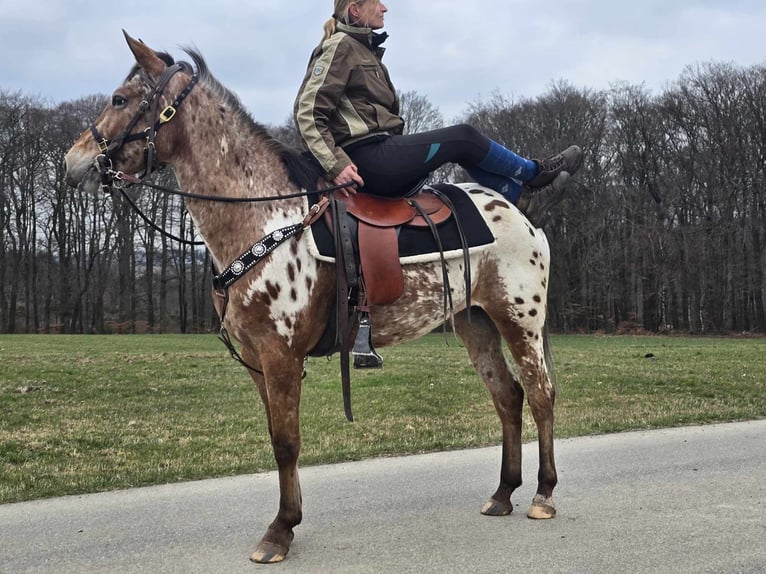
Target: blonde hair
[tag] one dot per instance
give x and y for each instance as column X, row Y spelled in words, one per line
column 340, row 13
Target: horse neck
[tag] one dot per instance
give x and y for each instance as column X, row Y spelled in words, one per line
column 222, row 155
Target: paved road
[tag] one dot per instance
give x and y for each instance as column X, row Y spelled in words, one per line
column 667, row 501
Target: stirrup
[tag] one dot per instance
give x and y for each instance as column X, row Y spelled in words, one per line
column 365, row 356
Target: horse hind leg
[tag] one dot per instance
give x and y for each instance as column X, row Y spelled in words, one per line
column 541, row 403
column 482, row 341
column 527, row 341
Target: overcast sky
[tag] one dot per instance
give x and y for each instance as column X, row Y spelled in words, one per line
column 453, row 52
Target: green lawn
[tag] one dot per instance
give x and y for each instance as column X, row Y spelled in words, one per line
column 90, row 413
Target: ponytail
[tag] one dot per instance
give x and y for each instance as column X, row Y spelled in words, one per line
column 329, row 28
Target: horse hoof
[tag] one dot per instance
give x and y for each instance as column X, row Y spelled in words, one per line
column 269, row 553
column 542, row 508
column 495, row 508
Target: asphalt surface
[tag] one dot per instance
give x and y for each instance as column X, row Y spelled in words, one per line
column 667, row 501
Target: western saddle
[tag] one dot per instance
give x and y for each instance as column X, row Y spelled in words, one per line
column 378, row 279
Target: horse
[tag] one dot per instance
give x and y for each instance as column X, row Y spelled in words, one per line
column 178, row 114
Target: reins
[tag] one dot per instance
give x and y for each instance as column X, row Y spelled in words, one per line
column 131, row 180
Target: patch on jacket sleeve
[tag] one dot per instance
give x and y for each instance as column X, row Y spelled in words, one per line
column 318, row 70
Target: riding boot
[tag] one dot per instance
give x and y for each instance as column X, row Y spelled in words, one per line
column 536, row 204
column 569, row 160
column 507, row 172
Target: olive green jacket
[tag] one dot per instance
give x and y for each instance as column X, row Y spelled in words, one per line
column 346, row 96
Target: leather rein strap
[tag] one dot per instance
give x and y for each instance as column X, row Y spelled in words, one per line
column 346, row 282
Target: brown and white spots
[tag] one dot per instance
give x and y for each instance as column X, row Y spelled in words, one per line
column 273, row 289
column 291, row 272
column 497, row 204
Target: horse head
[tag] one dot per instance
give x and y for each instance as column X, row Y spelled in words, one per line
column 130, row 138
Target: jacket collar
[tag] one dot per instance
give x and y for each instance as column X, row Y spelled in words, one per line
column 373, row 40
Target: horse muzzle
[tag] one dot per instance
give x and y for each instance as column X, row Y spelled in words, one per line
column 81, row 172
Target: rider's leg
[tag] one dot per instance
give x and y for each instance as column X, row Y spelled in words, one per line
column 397, row 163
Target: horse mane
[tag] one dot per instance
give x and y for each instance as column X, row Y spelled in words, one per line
column 302, row 169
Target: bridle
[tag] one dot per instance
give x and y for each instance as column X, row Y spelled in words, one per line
column 109, row 176
column 115, row 179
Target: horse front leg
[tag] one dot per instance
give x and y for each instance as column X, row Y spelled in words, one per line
column 280, row 391
column 482, row 340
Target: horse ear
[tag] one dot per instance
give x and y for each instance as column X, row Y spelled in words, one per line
column 145, row 56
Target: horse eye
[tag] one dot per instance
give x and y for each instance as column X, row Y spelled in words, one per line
column 118, row 101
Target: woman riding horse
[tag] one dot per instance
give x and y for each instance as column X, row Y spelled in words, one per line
column 347, row 113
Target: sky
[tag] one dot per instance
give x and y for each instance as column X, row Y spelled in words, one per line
column 454, row 53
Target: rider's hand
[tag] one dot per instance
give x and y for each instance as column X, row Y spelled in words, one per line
column 349, row 175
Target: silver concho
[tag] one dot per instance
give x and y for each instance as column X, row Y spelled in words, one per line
column 277, row 236
column 258, row 249
column 237, row 268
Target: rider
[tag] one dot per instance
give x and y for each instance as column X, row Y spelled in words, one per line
column 347, row 113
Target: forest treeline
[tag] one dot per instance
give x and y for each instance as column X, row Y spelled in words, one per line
column 662, row 231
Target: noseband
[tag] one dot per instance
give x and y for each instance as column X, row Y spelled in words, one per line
column 110, row 177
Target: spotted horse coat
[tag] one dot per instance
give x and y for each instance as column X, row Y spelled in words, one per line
column 278, row 309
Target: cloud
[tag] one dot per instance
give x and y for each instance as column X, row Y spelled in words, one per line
column 453, row 52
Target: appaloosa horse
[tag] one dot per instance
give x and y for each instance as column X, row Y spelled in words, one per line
column 168, row 113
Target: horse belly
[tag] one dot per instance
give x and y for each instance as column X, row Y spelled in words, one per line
column 421, row 307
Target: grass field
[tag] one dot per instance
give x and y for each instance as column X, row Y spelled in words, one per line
column 90, row 413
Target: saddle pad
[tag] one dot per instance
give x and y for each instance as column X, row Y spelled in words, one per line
column 417, row 244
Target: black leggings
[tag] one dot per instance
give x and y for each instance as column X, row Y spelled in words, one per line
column 393, row 165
